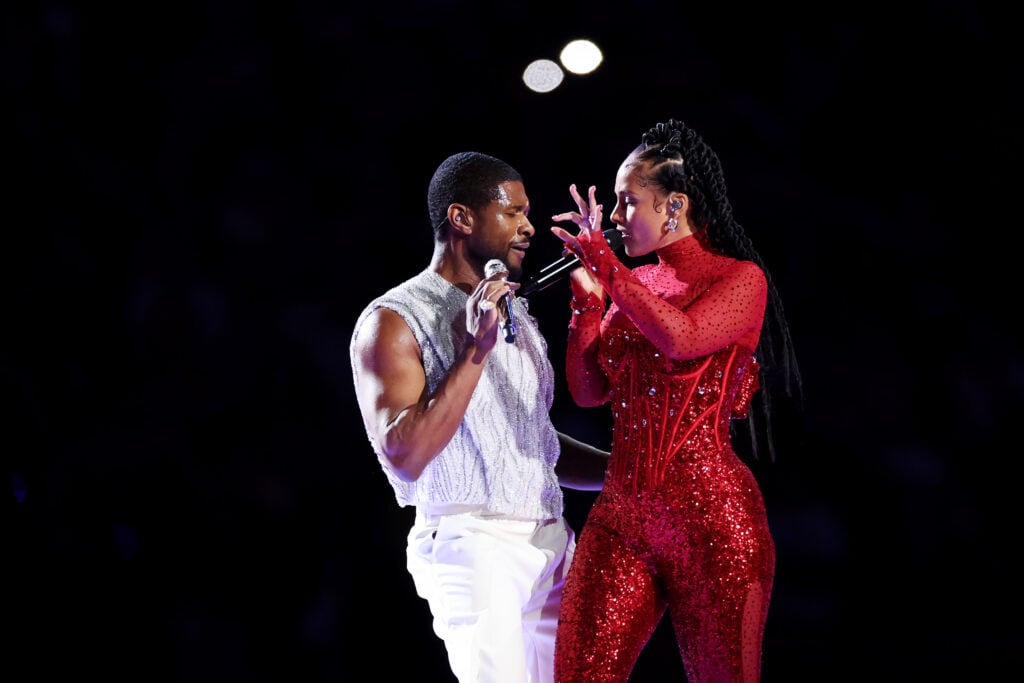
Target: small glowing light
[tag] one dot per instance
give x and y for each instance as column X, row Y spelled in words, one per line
column 581, row 56
column 542, row 75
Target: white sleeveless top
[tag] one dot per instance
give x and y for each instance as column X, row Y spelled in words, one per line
column 502, row 457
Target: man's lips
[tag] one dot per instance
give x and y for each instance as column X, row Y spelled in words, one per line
column 520, row 249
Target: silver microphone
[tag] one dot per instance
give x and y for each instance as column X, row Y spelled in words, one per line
column 493, row 267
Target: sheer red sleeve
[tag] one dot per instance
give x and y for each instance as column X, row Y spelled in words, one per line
column 587, row 382
column 730, row 310
column 685, row 325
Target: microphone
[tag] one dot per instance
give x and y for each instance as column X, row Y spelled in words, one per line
column 493, row 267
column 561, row 268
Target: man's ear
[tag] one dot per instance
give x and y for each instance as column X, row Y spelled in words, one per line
column 461, row 218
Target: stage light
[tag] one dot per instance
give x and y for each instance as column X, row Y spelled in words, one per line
column 543, row 75
column 581, row 56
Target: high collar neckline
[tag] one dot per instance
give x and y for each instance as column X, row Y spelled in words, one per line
column 688, row 254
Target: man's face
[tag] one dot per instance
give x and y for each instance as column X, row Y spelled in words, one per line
column 504, row 230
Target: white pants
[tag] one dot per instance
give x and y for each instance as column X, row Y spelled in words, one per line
column 493, row 586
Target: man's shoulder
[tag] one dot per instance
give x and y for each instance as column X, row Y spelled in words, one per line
column 398, row 290
column 416, row 296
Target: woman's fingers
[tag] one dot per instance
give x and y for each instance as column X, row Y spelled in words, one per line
column 571, row 244
column 589, row 215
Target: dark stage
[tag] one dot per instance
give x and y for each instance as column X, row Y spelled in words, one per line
column 202, row 196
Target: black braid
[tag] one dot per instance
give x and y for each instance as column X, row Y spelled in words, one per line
column 680, row 161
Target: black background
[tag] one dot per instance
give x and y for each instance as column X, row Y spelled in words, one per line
column 201, row 196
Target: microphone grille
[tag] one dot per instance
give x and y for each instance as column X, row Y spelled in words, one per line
column 493, row 267
column 613, row 237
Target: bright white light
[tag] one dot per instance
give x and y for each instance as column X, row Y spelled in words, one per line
column 542, row 75
column 581, row 56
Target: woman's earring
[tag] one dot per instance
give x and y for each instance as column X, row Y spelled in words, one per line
column 672, row 222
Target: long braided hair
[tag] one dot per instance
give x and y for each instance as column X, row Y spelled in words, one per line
column 678, row 160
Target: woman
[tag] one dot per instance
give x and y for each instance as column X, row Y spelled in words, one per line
column 680, row 523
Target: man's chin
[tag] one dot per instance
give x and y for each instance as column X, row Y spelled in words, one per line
column 514, row 263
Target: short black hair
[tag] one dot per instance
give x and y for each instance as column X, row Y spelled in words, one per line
column 470, row 178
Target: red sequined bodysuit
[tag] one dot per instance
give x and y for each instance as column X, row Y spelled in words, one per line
column 680, row 523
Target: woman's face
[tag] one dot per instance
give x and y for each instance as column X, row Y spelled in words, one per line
column 641, row 211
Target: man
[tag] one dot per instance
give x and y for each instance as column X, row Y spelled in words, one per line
column 459, row 420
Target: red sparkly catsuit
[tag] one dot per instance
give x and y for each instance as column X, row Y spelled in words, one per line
column 680, row 523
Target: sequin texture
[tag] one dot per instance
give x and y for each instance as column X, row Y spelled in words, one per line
column 680, row 524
